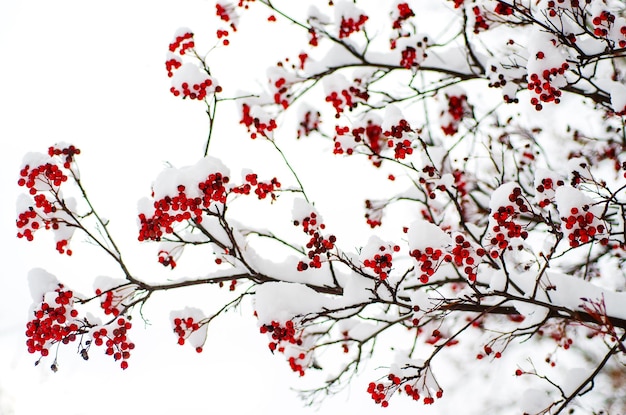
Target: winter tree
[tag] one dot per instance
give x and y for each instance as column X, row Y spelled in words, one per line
column 489, row 139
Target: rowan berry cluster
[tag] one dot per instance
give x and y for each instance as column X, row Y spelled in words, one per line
column 188, row 81
column 172, row 63
column 349, row 25
column 55, row 321
column 281, row 88
column 381, row 392
column 430, row 259
column 183, row 327
column 480, row 22
column 543, row 85
column 262, row 188
column 255, row 125
column 457, row 108
column 43, row 181
column 505, row 226
column 67, row 154
column 110, row 302
column 348, row 98
column 403, row 13
column 374, row 212
column 166, row 259
column 310, row 122
column 115, row 340
column 488, row 351
column 602, row 23
column 582, row 226
column 179, row 208
column 503, row 9
column 466, row 257
column 318, row 245
column 412, row 55
column 396, row 139
column 382, row 263
column 197, row 91
column 49, row 175
column 553, row 8
column 182, row 43
column 545, row 191
column 283, row 336
column 226, row 12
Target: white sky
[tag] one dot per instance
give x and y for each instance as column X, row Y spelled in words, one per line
column 92, row 73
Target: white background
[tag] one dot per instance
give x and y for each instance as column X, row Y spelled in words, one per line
column 92, row 73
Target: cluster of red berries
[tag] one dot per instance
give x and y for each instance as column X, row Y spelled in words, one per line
column 61, row 247
column 184, row 42
column 480, row 23
column 412, row 57
column 430, row 259
column 454, row 113
column 340, row 133
column 49, row 174
column 116, row 341
column 404, row 13
column 263, row 189
column 582, row 226
column 412, row 392
column 166, row 259
column 381, row 263
column 23, row 219
column 553, row 10
column 295, row 365
column 503, row 9
column 350, row 25
column 318, row 245
column 507, row 226
column 286, row 333
column 282, row 88
column 310, row 123
column 546, row 190
column 67, row 154
column 371, row 135
column 45, row 177
column 347, row 98
column 201, row 86
column 32, row 217
column 381, row 392
column 458, row 3
column 172, row 64
column 487, row 352
column 313, row 38
column 224, row 12
column 53, row 322
column 603, row 23
column 197, row 91
column 542, row 85
column 466, row 257
column 260, row 127
column 374, row 212
column 183, row 327
column 180, row 208
column 109, row 302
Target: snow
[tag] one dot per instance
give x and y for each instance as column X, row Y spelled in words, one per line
column 167, row 182
column 423, row 234
column 282, row 301
column 41, row 282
